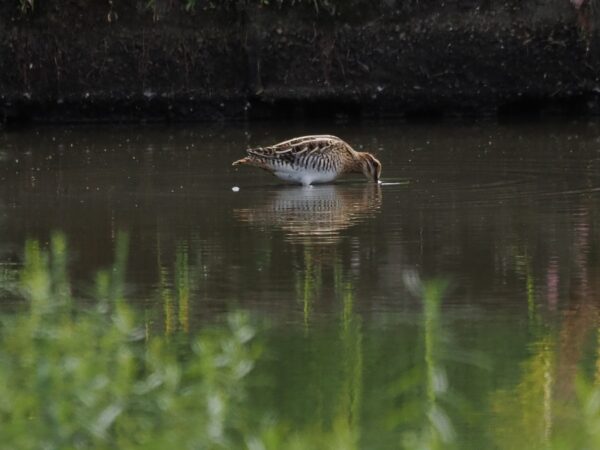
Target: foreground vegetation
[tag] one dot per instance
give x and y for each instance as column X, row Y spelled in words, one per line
column 87, row 376
column 93, row 375
column 74, row 377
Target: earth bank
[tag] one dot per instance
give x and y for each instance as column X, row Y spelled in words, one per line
column 89, row 60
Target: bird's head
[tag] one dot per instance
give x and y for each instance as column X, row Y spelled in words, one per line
column 370, row 166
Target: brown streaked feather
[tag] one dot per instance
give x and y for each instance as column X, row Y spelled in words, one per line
column 318, row 158
column 317, row 144
column 315, row 152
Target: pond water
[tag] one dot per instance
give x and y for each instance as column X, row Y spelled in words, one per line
column 506, row 216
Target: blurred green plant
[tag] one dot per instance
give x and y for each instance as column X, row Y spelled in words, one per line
column 583, row 430
column 434, row 429
column 542, row 411
column 72, row 377
column 78, row 376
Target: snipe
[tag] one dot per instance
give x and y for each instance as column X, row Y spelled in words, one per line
column 312, row 159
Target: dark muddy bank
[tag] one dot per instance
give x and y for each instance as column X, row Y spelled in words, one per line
column 119, row 60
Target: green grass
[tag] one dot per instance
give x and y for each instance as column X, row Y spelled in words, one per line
column 91, row 375
column 92, row 378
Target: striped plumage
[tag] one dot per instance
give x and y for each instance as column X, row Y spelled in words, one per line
column 312, row 159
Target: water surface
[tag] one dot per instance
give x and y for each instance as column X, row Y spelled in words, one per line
column 506, row 214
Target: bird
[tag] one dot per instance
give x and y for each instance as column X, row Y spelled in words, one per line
column 312, row 159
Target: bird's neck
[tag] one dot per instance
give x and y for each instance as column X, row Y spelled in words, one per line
column 356, row 163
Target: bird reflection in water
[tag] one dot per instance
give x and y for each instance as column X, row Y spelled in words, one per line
column 314, row 215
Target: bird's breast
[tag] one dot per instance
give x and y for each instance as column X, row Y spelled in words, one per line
column 306, row 176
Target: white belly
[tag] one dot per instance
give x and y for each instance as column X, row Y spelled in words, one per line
column 306, row 177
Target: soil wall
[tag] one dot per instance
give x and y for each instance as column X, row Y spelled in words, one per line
column 106, row 60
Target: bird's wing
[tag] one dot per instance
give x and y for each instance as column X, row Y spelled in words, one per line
column 301, row 147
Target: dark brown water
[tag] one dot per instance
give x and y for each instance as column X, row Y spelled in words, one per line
column 507, row 214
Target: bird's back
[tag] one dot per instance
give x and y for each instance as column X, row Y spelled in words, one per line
column 305, row 159
column 317, row 153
